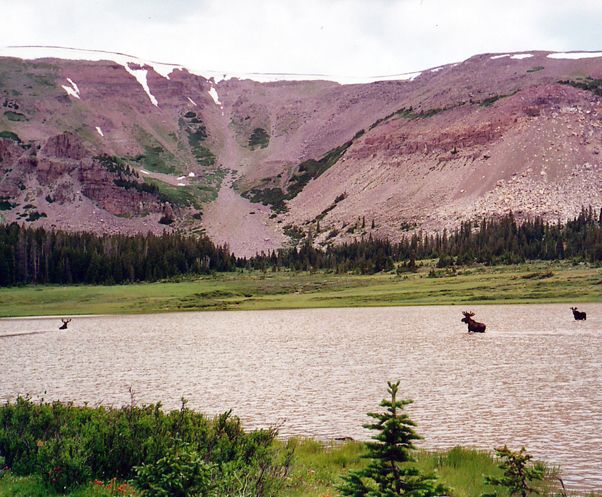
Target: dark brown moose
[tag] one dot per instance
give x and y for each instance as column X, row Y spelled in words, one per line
column 578, row 315
column 65, row 323
column 473, row 326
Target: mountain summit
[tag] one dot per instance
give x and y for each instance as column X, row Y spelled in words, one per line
column 118, row 144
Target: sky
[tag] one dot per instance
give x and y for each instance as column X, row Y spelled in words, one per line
column 332, row 37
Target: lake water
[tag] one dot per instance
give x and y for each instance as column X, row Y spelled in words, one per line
column 535, row 377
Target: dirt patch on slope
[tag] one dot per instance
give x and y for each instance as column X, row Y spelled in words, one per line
column 244, row 226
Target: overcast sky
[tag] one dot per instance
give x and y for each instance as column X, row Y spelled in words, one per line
column 340, row 37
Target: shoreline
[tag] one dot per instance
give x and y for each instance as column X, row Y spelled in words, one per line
column 500, row 303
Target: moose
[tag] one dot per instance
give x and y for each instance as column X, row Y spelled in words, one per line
column 473, row 326
column 65, row 321
column 578, row 315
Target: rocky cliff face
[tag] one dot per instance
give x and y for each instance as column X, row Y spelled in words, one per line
column 60, row 184
column 113, row 145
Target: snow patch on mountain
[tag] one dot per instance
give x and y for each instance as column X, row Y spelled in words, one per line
column 214, row 96
column 140, row 75
column 39, row 52
column 574, row 55
column 73, row 84
column 494, row 57
column 409, row 76
column 99, row 130
column 191, row 101
column 165, row 69
column 72, row 90
column 520, row 56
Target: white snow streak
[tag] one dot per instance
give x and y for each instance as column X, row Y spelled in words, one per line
column 144, row 172
column 99, row 131
column 140, row 75
column 37, row 52
column 191, row 101
column 410, row 76
column 191, row 175
column 181, row 184
column 163, row 69
column 574, row 55
column 499, row 56
column 72, row 83
column 214, row 96
column 72, row 90
column 521, row 56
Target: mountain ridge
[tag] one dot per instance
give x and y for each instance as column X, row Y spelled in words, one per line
column 261, row 165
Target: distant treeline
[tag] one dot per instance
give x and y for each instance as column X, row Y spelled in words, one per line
column 499, row 240
column 35, row 255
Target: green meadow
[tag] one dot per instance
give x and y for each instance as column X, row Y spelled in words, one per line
column 526, row 283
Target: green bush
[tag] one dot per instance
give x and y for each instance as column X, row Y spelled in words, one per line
column 259, row 138
column 9, row 135
column 67, row 445
column 182, row 472
column 521, row 476
column 6, row 204
column 64, row 463
column 15, row 116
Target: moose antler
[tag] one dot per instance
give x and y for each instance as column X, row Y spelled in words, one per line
column 66, row 320
column 468, row 314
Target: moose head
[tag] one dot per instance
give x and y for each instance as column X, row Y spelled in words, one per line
column 65, row 321
column 578, row 315
column 473, row 326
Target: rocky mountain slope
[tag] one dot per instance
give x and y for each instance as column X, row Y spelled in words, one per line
column 125, row 145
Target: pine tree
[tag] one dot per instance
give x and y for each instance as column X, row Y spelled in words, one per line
column 389, row 473
column 519, row 475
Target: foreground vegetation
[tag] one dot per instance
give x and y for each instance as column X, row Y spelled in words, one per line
column 67, row 446
column 538, row 282
column 316, row 471
column 56, row 449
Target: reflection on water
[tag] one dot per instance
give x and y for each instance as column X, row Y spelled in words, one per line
column 535, row 378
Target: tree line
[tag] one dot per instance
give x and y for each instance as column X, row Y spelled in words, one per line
column 36, row 255
column 493, row 240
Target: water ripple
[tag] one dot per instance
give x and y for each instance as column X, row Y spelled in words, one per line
column 535, row 378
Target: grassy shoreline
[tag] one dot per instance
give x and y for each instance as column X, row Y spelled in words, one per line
column 317, row 468
column 538, row 282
